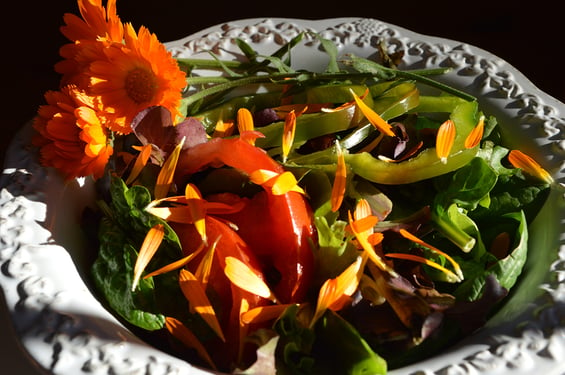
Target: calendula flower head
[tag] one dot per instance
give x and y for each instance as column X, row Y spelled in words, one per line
column 71, row 136
column 138, row 75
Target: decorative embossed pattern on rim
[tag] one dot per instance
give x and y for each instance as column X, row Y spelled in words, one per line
column 43, row 255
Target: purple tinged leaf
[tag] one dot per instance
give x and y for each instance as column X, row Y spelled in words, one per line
column 154, row 126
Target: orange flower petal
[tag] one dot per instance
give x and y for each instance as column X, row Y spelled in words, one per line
column 179, row 330
column 475, row 136
column 377, row 121
column 520, row 160
column 205, row 267
column 420, row 242
column 167, row 172
column 242, row 276
column 340, row 180
column 176, row 264
column 263, row 313
column 451, row 277
column 140, row 163
column 223, row 128
column 335, row 292
column 288, row 133
column 192, row 194
column 150, row 245
column 245, row 122
column 279, row 183
column 363, row 239
column 444, row 140
column 198, row 301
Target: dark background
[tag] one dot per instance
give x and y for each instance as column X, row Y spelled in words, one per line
column 531, row 38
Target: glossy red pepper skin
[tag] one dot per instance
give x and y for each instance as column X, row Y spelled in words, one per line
column 279, row 229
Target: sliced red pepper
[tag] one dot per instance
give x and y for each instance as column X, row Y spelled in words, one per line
column 278, row 228
column 225, row 296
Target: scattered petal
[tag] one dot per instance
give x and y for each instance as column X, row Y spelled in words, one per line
column 415, row 239
column 150, row 245
column 444, row 140
column 242, row 276
column 140, row 163
column 182, row 333
column 288, row 134
column 263, row 313
column 451, row 277
column 165, row 177
column 245, row 122
column 475, row 136
column 334, row 293
column 176, row 264
column 338, row 188
column 377, row 121
column 520, row 160
column 198, row 301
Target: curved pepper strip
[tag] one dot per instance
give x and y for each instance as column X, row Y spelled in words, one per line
column 423, row 166
column 278, row 228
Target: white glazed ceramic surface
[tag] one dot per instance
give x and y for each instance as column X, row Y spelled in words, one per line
column 43, row 258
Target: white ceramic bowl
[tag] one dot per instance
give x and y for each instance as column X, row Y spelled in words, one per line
column 44, row 258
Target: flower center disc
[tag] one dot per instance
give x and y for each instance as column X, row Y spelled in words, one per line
column 140, row 85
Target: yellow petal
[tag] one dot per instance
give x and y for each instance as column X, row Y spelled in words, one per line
column 444, row 140
column 520, row 160
column 150, row 245
column 340, row 179
column 288, row 133
column 140, row 163
column 263, row 313
column 198, row 301
column 420, row 242
column 278, row 183
column 284, row 183
column 377, row 121
column 223, row 128
column 333, row 291
column 176, row 264
column 245, row 122
column 242, row 276
column 205, row 266
column 475, row 136
column 451, row 277
column 197, row 210
column 167, row 172
column 179, row 330
column 363, row 239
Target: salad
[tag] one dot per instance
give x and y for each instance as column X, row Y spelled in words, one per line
column 261, row 219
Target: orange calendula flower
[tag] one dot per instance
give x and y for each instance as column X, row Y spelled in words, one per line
column 72, row 137
column 444, row 140
column 98, row 28
column 520, row 160
column 135, row 76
